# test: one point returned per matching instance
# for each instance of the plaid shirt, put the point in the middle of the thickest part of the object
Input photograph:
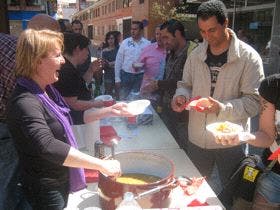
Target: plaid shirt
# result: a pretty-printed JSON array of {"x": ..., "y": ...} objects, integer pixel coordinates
[{"x": 7, "y": 65}]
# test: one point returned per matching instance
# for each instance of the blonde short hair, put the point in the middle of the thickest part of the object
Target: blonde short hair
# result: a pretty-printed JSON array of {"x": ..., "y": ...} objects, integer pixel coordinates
[{"x": 32, "y": 46}]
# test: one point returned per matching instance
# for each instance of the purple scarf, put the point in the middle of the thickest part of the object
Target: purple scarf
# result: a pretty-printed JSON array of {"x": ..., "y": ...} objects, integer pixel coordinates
[{"x": 61, "y": 111}]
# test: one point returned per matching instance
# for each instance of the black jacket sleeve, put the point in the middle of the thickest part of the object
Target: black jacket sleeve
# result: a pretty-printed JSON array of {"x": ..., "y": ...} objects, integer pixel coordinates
[
  {"x": 167, "y": 84},
  {"x": 36, "y": 131}
]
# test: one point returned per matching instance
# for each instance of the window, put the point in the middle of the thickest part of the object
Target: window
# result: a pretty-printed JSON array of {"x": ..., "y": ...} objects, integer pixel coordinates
[
  {"x": 33, "y": 2},
  {"x": 141, "y": 1},
  {"x": 119, "y": 4},
  {"x": 103, "y": 30},
  {"x": 109, "y": 8},
  {"x": 91, "y": 14},
  {"x": 125, "y": 3},
  {"x": 13, "y": 2},
  {"x": 113, "y": 6},
  {"x": 90, "y": 32}
]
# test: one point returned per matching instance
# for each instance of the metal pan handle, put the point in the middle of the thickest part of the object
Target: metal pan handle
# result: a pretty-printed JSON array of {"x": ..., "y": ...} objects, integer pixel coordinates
[{"x": 156, "y": 189}]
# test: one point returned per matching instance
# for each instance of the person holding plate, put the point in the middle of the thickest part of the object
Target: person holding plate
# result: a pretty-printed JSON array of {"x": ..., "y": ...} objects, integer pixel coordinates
[
  {"x": 268, "y": 136},
  {"x": 39, "y": 121},
  {"x": 153, "y": 56},
  {"x": 128, "y": 71},
  {"x": 226, "y": 73},
  {"x": 73, "y": 87}
]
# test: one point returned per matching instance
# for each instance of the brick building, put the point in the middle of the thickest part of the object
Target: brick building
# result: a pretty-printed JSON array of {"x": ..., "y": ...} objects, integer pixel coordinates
[
  {"x": 107, "y": 15},
  {"x": 259, "y": 18}
]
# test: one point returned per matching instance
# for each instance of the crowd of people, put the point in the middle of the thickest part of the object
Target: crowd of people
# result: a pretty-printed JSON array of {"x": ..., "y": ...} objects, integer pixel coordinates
[{"x": 46, "y": 82}]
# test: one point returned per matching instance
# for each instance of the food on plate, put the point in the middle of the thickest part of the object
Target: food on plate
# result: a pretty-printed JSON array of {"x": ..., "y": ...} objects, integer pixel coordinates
[
  {"x": 225, "y": 127},
  {"x": 137, "y": 178},
  {"x": 203, "y": 102},
  {"x": 200, "y": 104}
]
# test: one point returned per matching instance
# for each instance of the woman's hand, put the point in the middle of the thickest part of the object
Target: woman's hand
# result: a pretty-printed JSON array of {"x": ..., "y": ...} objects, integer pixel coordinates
[
  {"x": 116, "y": 110},
  {"x": 121, "y": 110},
  {"x": 77, "y": 159},
  {"x": 111, "y": 168},
  {"x": 96, "y": 67},
  {"x": 97, "y": 103}
]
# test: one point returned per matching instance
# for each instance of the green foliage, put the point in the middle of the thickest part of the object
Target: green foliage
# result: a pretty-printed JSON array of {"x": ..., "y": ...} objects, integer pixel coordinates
[{"x": 168, "y": 11}]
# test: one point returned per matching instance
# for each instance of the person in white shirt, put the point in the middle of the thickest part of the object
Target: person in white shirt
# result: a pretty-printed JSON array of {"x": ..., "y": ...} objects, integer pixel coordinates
[{"x": 128, "y": 71}]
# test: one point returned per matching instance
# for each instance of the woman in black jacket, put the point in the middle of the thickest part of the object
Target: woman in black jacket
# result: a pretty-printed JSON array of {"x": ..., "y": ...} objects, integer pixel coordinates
[{"x": 40, "y": 124}]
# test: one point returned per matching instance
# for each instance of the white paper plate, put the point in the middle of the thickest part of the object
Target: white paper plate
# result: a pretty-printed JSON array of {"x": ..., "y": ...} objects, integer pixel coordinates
[
  {"x": 104, "y": 98},
  {"x": 93, "y": 59},
  {"x": 229, "y": 129},
  {"x": 138, "y": 64},
  {"x": 138, "y": 107}
]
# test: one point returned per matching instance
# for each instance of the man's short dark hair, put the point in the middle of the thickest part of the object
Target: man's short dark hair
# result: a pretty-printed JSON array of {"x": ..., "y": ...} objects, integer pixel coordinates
[
  {"x": 172, "y": 25},
  {"x": 62, "y": 23},
  {"x": 77, "y": 22},
  {"x": 212, "y": 8},
  {"x": 139, "y": 23},
  {"x": 74, "y": 40}
]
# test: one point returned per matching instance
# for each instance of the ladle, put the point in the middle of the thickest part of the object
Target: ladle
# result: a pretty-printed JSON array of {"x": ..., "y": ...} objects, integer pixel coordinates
[
  {"x": 157, "y": 189},
  {"x": 114, "y": 143}
]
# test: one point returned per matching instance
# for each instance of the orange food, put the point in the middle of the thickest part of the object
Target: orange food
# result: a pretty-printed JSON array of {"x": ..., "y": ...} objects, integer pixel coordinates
[
  {"x": 203, "y": 102},
  {"x": 225, "y": 128}
]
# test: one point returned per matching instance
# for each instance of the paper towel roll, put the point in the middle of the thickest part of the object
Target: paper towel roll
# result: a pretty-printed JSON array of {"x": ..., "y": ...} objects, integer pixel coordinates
[{"x": 87, "y": 134}]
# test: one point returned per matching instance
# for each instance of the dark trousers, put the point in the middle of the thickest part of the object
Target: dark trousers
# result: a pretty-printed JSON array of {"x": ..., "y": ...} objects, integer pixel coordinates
[
  {"x": 11, "y": 196},
  {"x": 130, "y": 83},
  {"x": 227, "y": 160},
  {"x": 43, "y": 198},
  {"x": 177, "y": 124}
]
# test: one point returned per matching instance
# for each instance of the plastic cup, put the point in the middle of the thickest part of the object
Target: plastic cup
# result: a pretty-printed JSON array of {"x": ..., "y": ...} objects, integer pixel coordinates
[{"x": 132, "y": 122}]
